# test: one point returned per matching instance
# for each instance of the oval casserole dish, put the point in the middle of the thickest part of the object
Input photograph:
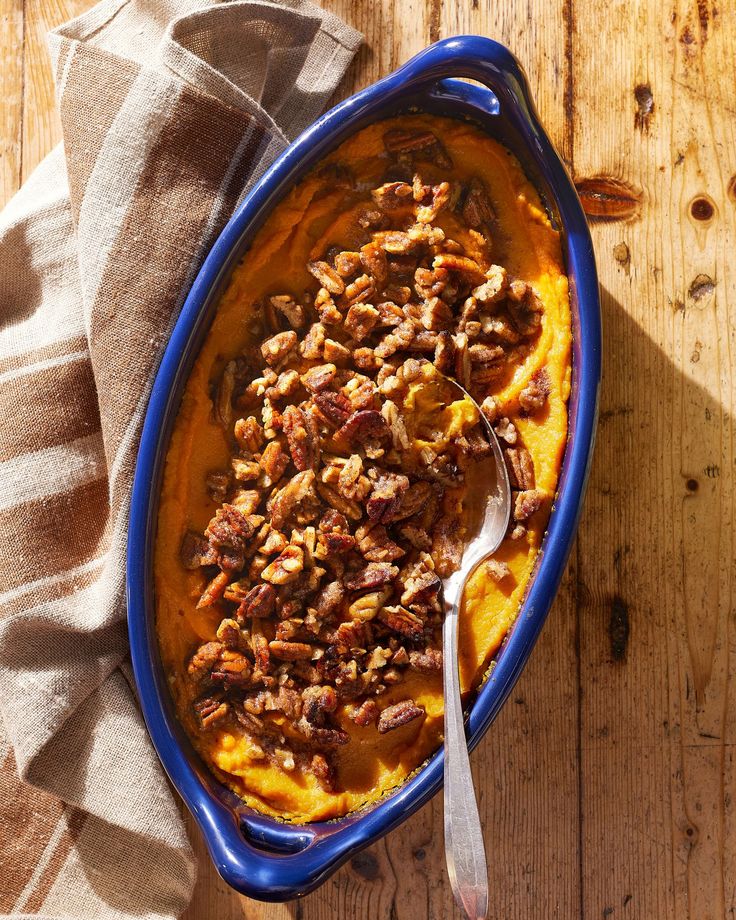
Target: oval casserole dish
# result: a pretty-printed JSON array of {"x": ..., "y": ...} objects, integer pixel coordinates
[{"x": 260, "y": 856}]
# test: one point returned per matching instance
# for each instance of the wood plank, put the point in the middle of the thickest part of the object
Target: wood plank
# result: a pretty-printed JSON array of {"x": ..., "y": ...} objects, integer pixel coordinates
[
  {"x": 11, "y": 92},
  {"x": 655, "y": 111}
]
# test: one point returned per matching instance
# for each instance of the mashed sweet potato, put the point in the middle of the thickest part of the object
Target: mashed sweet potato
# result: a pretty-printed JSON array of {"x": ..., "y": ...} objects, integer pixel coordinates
[{"x": 505, "y": 333}]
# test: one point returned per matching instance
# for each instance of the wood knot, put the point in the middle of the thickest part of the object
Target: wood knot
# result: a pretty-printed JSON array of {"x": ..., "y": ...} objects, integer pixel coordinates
[
  {"x": 621, "y": 254},
  {"x": 644, "y": 107},
  {"x": 692, "y": 485},
  {"x": 702, "y": 208},
  {"x": 731, "y": 190},
  {"x": 366, "y": 865},
  {"x": 605, "y": 198},
  {"x": 701, "y": 286},
  {"x": 618, "y": 628}
]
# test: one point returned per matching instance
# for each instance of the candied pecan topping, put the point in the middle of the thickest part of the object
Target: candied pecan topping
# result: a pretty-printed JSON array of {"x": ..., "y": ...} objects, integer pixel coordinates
[
  {"x": 290, "y": 651},
  {"x": 336, "y": 519},
  {"x": 526, "y": 503},
  {"x": 426, "y": 660},
  {"x": 520, "y": 467},
  {"x": 535, "y": 393},
  {"x": 302, "y": 438},
  {"x": 210, "y": 710},
  {"x": 399, "y": 714},
  {"x": 366, "y": 713},
  {"x": 327, "y": 277},
  {"x": 477, "y": 208},
  {"x": 278, "y": 346},
  {"x": 259, "y": 602},
  {"x": 497, "y": 570}
]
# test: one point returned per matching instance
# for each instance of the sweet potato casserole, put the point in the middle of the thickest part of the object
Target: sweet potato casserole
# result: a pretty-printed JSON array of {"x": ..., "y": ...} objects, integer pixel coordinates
[{"x": 313, "y": 496}]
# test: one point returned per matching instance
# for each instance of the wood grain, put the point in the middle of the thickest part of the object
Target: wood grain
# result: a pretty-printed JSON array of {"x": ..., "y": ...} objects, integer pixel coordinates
[{"x": 607, "y": 782}]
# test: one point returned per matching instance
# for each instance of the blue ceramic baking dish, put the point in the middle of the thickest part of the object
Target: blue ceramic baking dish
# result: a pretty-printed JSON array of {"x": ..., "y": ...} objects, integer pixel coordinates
[{"x": 256, "y": 855}]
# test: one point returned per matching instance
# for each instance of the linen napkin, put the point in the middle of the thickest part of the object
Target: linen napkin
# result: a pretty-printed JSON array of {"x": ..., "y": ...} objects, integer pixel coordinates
[{"x": 170, "y": 110}]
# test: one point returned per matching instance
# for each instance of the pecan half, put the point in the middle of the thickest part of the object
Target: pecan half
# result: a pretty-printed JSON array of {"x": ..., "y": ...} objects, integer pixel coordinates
[{"x": 399, "y": 714}]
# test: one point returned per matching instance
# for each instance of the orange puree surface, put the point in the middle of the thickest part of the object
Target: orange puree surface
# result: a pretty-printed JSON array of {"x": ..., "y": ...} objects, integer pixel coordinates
[{"x": 314, "y": 215}]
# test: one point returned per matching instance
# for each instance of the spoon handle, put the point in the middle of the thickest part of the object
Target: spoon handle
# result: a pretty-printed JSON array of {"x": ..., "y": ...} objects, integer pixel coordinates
[{"x": 464, "y": 849}]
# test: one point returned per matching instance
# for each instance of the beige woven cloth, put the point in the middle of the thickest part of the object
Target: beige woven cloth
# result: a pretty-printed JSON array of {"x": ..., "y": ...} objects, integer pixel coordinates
[{"x": 170, "y": 109}]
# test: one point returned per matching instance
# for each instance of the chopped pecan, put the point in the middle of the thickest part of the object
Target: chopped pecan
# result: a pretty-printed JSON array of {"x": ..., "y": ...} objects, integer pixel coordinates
[
  {"x": 312, "y": 348},
  {"x": 336, "y": 352},
  {"x": 210, "y": 710},
  {"x": 302, "y": 437},
  {"x": 526, "y": 503},
  {"x": 333, "y": 407},
  {"x": 285, "y": 567},
  {"x": 290, "y": 651},
  {"x": 275, "y": 349},
  {"x": 273, "y": 462},
  {"x": 224, "y": 396},
  {"x": 399, "y": 434},
  {"x": 325, "y": 306},
  {"x": 228, "y": 632},
  {"x": 402, "y": 621},
  {"x": 417, "y": 143},
  {"x": 362, "y": 425},
  {"x": 399, "y": 714},
  {"x": 447, "y": 545},
  {"x": 506, "y": 431},
  {"x": 287, "y": 500},
  {"x": 376, "y": 545},
  {"x": 360, "y": 320},
  {"x": 329, "y": 599},
  {"x": 393, "y": 195},
  {"x": 218, "y": 484},
  {"x": 365, "y": 714},
  {"x": 496, "y": 569},
  {"x": 259, "y": 602},
  {"x": 293, "y": 311},
  {"x": 319, "y": 378},
  {"x": 245, "y": 470},
  {"x": 416, "y": 536},
  {"x": 351, "y": 483},
  {"x": 228, "y": 533},
  {"x": 426, "y": 660},
  {"x": 441, "y": 193},
  {"x": 477, "y": 208},
  {"x": 385, "y": 499},
  {"x": 360, "y": 290},
  {"x": 444, "y": 353},
  {"x": 287, "y": 383},
  {"x": 318, "y": 702},
  {"x": 347, "y": 263},
  {"x": 232, "y": 669},
  {"x": 535, "y": 393},
  {"x": 204, "y": 659},
  {"x": 373, "y": 259},
  {"x": 421, "y": 585},
  {"x": 344, "y": 505},
  {"x": 366, "y": 360},
  {"x": 323, "y": 772},
  {"x": 249, "y": 434},
  {"x": 327, "y": 276},
  {"x": 323, "y": 736},
  {"x": 374, "y": 575},
  {"x": 520, "y": 468}
]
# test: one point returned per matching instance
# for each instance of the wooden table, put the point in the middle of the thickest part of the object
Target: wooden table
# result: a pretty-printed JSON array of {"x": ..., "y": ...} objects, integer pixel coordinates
[{"x": 607, "y": 784}]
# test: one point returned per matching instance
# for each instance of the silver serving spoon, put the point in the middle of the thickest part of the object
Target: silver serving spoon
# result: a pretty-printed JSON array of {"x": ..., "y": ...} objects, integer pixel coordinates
[{"x": 487, "y": 487}]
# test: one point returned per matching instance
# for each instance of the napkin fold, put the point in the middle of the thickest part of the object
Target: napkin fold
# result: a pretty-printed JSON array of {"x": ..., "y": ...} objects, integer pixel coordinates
[{"x": 170, "y": 110}]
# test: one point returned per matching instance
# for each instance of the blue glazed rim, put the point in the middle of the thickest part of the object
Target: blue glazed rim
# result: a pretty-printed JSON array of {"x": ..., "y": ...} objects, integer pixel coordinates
[{"x": 259, "y": 856}]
